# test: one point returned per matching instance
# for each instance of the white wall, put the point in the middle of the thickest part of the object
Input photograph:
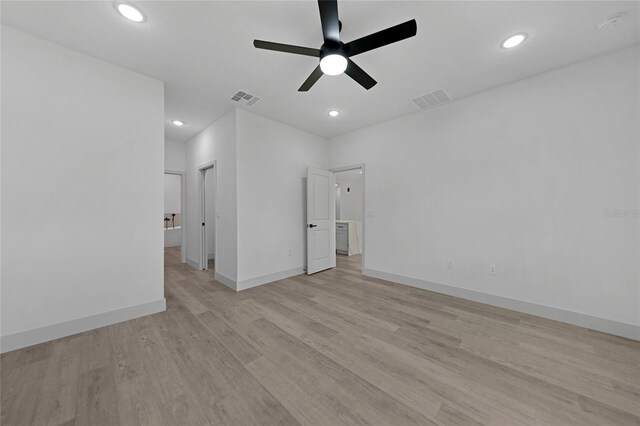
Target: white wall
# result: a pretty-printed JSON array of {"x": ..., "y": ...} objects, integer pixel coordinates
[
  {"x": 82, "y": 148},
  {"x": 272, "y": 166},
  {"x": 260, "y": 182},
  {"x": 350, "y": 194},
  {"x": 172, "y": 203},
  {"x": 217, "y": 142},
  {"x": 519, "y": 177},
  {"x": 175, "y": 156}
]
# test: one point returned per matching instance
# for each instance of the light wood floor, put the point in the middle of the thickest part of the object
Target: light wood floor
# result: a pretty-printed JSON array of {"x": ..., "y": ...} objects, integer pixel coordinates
[{"x": 328, "y": 349}]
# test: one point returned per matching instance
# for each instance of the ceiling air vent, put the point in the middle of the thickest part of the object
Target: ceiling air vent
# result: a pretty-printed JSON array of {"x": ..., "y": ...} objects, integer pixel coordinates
[
  {"x": 245, "y": 98},
  {"x": 432, "y": 99}
]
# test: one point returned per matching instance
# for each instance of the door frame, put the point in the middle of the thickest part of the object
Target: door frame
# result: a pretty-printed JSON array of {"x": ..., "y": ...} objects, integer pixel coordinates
[
  {"x": 183, "y": 212},
  {"x": 360, "y": 166},
  {"x": 203, "y": 258}
]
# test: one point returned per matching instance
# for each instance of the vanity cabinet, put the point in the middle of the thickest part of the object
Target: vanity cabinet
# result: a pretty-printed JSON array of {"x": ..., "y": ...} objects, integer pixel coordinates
[{"x": 348, "y": 237}]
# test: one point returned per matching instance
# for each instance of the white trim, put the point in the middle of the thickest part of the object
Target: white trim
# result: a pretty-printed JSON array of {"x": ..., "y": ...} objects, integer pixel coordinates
[
  {"x": 225, "y": 280},
  {"x": 269, "y": 278},
  {"x": 183, "y": 213},
  {"x": 34, "y": 336},
  {"x": 630, "y": 331},
  {"x": 360, "y": 166},
  {"x": 193, "y": 263}
]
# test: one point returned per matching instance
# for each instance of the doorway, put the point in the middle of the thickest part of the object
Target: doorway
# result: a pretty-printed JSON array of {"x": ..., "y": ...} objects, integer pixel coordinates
[
  {"x": 207, "y": 218},
  {"x": 349, "y": 193},
  {"x": 174, "y": 212}
]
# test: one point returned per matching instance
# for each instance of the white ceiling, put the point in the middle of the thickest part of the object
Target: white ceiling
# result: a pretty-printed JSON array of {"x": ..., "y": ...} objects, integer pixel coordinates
[{"x": 203, "y": 51}]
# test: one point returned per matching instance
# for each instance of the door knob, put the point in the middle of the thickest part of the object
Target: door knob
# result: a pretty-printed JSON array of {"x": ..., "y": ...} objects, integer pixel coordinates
[{"x": 311, "y": 225}]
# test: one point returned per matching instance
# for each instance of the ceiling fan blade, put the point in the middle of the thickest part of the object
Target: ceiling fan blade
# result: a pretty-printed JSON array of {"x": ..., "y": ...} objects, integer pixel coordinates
[
  {"x": 359, "y": 75},
  {"x": 329, "y": 20},
  {"x": 311, "y": 80},
  {"x": 287, "y": 48},
  {"x": 382, "y": 38}
]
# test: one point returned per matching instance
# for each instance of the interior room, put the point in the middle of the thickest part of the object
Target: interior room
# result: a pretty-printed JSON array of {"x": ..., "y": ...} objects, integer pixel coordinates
[
  {"x": 349, "y": 196},
  {"x": 172, "y": 210},
  {"x": 374, "y": 212}
]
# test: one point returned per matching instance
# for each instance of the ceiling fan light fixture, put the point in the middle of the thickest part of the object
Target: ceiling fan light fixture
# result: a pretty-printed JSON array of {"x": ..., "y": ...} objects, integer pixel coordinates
[{"x": 333, "y": 64}]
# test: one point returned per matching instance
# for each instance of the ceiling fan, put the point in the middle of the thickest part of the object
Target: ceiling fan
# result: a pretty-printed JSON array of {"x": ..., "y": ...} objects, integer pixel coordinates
[{"x": 335, "y": 56}]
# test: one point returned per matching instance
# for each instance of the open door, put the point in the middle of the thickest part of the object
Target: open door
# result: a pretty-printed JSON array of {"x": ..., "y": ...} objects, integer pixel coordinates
[
  {"x": 207, "y": 195},
  {"x": 321, "y": 221}
]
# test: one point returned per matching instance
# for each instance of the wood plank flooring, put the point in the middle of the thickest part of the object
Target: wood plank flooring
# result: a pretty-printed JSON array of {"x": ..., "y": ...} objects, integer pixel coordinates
[{"x": 329, "y": 349}]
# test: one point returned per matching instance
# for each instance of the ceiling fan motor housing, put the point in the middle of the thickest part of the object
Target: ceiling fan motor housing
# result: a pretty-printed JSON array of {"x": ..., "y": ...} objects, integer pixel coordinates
[{"x": 332, "y": 48}]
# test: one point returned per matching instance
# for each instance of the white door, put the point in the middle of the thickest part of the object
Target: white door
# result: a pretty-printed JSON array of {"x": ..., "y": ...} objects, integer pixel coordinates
[{"x": 321, "y": 221}]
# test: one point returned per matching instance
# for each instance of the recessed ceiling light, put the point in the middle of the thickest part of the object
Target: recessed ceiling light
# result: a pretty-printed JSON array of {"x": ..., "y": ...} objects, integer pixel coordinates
[
  {"x": 514, "y": 41},
  {"x": 177, "y": 123},
  {"x": 333, "y": 64},
  {"x": 334, "y": 113},
  {"x": 130, "y": 12}
]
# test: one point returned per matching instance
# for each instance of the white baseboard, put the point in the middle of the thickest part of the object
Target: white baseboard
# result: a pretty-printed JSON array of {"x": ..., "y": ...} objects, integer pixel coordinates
[
  {"x": 193, "y": 263},
  {"x": 629, "y": 331},
  {"x": 34, "y": 336},
  {"x": 226, "y": 281},
  {"x": 269, "y": 278},
  {"x": 211, "y": 256},
  {"x": 256, "y": 281}
]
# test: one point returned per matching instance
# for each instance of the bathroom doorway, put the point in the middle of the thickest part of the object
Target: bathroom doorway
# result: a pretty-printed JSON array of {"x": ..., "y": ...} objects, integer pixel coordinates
[{"x": 350, "y": 216}]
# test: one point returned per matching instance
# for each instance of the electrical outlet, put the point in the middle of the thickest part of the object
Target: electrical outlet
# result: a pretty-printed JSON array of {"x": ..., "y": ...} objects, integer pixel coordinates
[
  {"x": 493, "y": 270},
  {"x": 449, "y": 263}
]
